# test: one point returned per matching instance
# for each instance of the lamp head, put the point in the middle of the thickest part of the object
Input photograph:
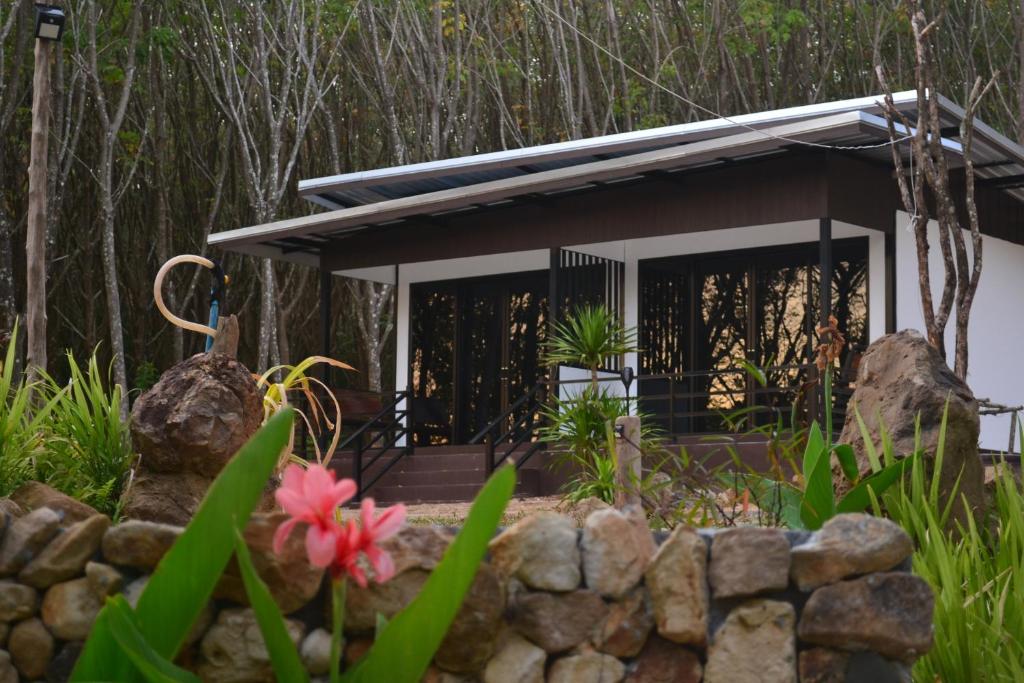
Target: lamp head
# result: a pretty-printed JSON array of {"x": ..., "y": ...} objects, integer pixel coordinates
[{"x": 49, "y": 22}]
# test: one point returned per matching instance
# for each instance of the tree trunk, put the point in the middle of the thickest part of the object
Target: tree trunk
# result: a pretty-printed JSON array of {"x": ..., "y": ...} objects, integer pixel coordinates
[
  {"x": 268, "y": 317},
  {"x": 35, "y": 242}
]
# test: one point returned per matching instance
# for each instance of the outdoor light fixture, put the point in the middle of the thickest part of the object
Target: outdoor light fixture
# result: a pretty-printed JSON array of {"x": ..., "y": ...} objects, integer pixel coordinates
[
  {"x": 627, "y": 378},
  {"x": 49, "y": 22}
]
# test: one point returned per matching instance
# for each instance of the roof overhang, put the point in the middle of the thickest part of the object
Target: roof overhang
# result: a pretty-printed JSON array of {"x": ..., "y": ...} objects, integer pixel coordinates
[{"x": 999, "y": 162}]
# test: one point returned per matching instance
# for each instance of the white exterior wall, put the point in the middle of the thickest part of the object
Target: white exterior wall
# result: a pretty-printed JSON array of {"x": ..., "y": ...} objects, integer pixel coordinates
[
  {"x": 996, "y": 327},
  {"x": 631, "y": 252}
]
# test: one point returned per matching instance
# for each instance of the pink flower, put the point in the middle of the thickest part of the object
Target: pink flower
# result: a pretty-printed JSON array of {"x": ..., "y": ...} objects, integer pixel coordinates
[
  {"x": 312, "y": 496},
  {"x": 353, "y": 540}
]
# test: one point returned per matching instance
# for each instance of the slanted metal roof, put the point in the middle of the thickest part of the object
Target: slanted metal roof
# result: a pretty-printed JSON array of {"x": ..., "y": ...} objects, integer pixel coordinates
[
  {"x": 493, "y": 180},
  {"x": 367, "y": 187}
]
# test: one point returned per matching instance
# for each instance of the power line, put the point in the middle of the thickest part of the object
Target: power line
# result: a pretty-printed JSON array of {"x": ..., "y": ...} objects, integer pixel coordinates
[{"x": 701, "y": 107}]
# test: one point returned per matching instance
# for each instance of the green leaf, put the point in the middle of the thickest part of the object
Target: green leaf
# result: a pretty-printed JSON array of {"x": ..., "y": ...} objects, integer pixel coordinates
[
  {"x": 859, "y": 497},
  {"x": 847, "y": 461},
  {"x": 408, "y": 643},
  {"x": 119, "y": 619},
  {"x": 818, "y": 503},
  {"x": 181, "y": 585},
  {"x": 284, "y": 658},
  {"x": 814, "y": 450},
  {"x": 869, "y": 444}
]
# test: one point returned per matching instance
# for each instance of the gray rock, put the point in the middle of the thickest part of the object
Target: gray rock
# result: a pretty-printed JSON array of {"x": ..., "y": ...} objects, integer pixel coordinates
[
  {"x": 823, "y": 665},
  {"x": 33, "y": 495},
  {"x": 66, "y": 555},
  {"x": 756, "y": 642},
  {"x": 471, "y": 638},
  {"x": 31, "y": 647},
  {"x": 233, "y": 650},
  {"x": 516, "y": 660},
  {"x": 362, "y": 605},
  {"x": 103, "y": 579},
  {"x": 627, "y": 627},
  {"x": 289, "y": 576},
  {"x": 556, "y": 621},
  {"x": 8, "y": 674},
  {"x": 901, "y": 377},
  {"x": 17, "y": 601},
  {"x": 70, "y": 608},
  {"x": 138, "y": 544},
  {"x": 677, "y": 581},
  {"x": 62, "y": 665},
  {"x": 616, "y": 550},
  {"x": 888, "y": 613},
  {"x": 747, "y": 561},
  {"x": 26, "y": 537},
  {"x": 316, "y": 652},
  {"x": 664, "y": 662},
  {"x": 848, "y": 545},
  {"x": 541, "y": 551},
  {"x": 196, "y": 416},
  {"x": 587, "y": 667}
]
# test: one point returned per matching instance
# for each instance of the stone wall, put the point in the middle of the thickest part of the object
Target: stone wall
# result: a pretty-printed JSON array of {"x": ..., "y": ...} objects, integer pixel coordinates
[{"x": 605, "y": 603}]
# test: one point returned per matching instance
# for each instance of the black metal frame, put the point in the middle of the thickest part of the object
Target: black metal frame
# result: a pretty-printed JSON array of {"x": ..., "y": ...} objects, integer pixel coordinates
[{"x": 390, "y": 419}]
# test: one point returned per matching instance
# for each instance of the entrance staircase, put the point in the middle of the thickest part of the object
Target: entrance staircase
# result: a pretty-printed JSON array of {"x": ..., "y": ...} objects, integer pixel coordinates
[{"x": 442, "y": 474}]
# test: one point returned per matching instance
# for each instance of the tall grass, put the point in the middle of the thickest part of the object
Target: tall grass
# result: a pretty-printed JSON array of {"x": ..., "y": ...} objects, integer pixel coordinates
[
  {"x": 68, "y": 436},
  {"x": 88, "y": 452},
  {"x": 977, "y": 574},
  {"x": 21, "y": 427}
]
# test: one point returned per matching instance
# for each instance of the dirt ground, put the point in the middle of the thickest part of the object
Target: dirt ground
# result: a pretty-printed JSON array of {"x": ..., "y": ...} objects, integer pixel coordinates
[{"x": 454, "y": 514}]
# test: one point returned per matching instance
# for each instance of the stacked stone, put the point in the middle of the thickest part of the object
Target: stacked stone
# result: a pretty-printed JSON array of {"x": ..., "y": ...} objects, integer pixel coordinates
[
  {"x": 60, "y": 560},
  {"x": 554, "y": 603},
  {"x": 608, "y": 604}
]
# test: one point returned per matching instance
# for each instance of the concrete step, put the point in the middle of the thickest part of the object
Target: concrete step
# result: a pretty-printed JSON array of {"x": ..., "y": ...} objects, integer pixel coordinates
[{"x": 445, "y": 489}]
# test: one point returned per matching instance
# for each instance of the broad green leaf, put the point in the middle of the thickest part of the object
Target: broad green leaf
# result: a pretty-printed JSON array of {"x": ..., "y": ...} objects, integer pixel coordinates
[
  {"x": 119, "y": 618},
  {"x": 781, "y": 497},
  {"x": 847, "y": 461},
  {"x": 814, "y": 450},
  {"x": 819, "y": 497},
  {"x": 408, "y": 643},
  {"x": 183, "y": 582},
  {"x": 284, "y": 657},
  {"x": 869, "y": 444},
  {"x": 859, "y": 497}
]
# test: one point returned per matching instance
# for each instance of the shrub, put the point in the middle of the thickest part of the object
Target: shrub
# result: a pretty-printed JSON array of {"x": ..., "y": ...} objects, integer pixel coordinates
[
  {"x": 976, "y": 572},
  {"x": 88, "y": 452}
]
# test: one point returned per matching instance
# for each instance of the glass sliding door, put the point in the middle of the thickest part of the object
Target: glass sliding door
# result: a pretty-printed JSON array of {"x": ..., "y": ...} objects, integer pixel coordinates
[
  {"x": 480, "y": 338},
  {"x": 703, "y": 314}
]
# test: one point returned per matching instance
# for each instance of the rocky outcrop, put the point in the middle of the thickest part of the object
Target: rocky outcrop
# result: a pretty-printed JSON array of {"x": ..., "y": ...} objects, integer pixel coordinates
[
  {"x": 900, "y": 378},
  {"x": 541, "y": 551},
  {"x": 189, "y": 425}
]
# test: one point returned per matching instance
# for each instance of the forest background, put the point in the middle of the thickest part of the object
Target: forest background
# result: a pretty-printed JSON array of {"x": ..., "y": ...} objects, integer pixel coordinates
[{"x": 174, "y": 118}]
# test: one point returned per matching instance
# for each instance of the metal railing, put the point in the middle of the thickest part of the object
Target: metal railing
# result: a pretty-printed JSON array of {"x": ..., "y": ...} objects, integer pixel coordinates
[
  {"x": 681, "y": 403},
  {"x": 384, "y": 431},
  {"x": 517, "y": 427}
]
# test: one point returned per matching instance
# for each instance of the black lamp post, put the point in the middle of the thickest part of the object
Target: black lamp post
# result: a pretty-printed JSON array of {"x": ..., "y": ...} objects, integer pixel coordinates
[{"x": 49, "y": 22}]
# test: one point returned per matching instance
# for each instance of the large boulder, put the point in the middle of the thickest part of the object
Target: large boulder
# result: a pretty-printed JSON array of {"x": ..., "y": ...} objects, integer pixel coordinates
[
  {"x": 185, "y": 429},
  {"x": 197, "y": 416},
  {"x": 901, "y": 376}
]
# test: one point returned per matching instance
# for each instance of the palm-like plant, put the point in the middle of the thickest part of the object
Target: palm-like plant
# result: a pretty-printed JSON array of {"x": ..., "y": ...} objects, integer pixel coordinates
[{"x": 590, "y": 336}]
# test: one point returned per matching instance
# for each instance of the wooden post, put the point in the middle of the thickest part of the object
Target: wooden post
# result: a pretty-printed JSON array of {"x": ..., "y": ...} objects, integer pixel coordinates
[
  {"x": 35, "y": 240},
  {"x": 627, "y": 461}
]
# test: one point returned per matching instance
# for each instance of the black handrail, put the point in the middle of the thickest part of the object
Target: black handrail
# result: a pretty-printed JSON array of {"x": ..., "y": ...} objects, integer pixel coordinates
[
  {"x": 514, "y": 435},
  {"x": 389, "y": 420}
]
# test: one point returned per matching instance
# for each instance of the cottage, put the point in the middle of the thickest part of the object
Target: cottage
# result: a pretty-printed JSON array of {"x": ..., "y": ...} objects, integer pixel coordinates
[{"x": 711, "y": 238}]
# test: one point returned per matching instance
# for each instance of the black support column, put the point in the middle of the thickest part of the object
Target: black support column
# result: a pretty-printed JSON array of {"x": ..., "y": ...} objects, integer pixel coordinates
[
  {"x": 825, "y": 265},
  {"x": 325, "y": 320},
  {"x": 890, "y": 278}
]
